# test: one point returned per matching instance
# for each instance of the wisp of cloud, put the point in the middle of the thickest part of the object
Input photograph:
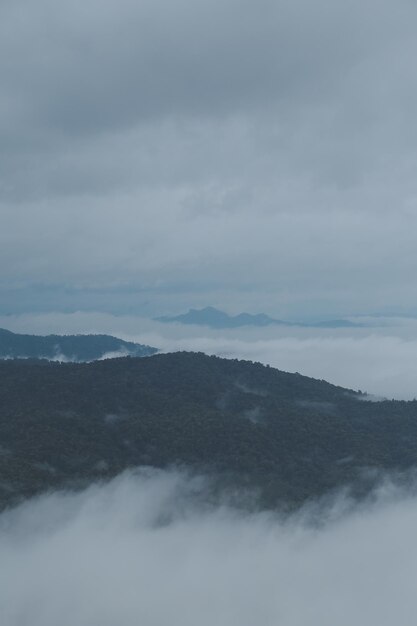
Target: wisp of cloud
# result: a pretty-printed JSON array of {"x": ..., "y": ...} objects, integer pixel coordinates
[{"x": 141, "y": 550}]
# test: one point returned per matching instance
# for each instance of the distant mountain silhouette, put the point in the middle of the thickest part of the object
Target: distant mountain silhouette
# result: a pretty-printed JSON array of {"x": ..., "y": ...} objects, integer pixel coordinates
[
  {"x": 214, "y": 318},
  {"x": 209, "y": 316},
  {"x": 67, "y": 347}
]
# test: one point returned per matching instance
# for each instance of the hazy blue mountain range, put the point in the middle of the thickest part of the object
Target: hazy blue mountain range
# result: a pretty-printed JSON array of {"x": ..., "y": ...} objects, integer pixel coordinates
[
  {"x": 214, "y": 318},
  {"x": 287, "y": 436},
  {"x": 67, "y": 347}
]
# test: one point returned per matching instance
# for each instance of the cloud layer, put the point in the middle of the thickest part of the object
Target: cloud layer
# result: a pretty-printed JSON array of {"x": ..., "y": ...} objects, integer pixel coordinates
[
  {"x": 139, "y": 550},
  {"x": 380, "y": 359},
  {"x": 210, "y": 152}
]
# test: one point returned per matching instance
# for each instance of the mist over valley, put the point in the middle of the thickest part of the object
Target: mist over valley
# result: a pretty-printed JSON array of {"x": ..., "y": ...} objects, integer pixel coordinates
[
  {"x": 143, "y": 548},
  {"x": 208, "y": 313}
]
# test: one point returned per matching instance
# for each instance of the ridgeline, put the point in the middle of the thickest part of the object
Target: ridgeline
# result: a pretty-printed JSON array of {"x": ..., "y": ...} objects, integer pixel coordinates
[
  {"x": 286, "y": 436},
  {"x": 67, "y": 347}
]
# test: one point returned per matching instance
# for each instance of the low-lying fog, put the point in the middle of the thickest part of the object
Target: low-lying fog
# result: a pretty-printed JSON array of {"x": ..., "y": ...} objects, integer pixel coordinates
[
  {"x": 143, "y": 550},
  {"x": 380, "y": 358}
]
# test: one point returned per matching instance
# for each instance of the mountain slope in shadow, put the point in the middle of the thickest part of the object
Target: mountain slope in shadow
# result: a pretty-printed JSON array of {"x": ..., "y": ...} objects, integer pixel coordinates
[
  {"x": 288, "y": 437},
  {"x": 67, "y": 347}
]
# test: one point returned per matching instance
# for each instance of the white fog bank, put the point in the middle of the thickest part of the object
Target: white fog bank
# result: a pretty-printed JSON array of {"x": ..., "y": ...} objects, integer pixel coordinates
[
  {"x": 136, "y": 551},
  {"x": 380, "y": 358}
]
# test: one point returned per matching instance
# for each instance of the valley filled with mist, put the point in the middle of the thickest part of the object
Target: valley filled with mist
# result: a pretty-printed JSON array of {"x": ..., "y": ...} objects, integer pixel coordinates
[
  {"x": 190, "y": 488},
  {"x": 182, "y": 487},
  {"x": 208, "y": 313},
  {"x": 146, "y": 548}
]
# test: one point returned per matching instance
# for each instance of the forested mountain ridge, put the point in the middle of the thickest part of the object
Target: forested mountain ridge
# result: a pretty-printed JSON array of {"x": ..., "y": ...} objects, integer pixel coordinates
[
  {"x": 67, "y": 347},
  {"x": 289, "y": 436}
]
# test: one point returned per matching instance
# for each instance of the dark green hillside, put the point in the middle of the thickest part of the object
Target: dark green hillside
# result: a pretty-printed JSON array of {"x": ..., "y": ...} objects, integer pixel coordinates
[
  {"x": 289, "y": 436},
  {"x": 68, "y": 347}
]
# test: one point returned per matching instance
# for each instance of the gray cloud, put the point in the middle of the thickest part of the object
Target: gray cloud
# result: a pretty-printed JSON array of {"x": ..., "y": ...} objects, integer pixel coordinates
[
  {"x": 223, "y": 147},
  {"x": 139, "y": 550},
  {"x": 80, "y": 68}
]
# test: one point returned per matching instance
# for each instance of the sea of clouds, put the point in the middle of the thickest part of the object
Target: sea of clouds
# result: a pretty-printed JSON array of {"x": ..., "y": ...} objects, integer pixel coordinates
[
  {"x": 148, "y": 549},
  {"x": 379, "y": 358},
  {"x": 143, "y": 549}
]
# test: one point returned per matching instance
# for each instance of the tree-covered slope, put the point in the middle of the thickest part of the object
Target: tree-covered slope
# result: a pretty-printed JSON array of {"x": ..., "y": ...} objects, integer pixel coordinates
[
  {"x": 289, "y": 436},
  {"x": 67, "y": 347}
]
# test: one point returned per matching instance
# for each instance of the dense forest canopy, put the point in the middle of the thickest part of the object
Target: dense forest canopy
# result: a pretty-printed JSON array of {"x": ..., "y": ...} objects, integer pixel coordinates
[
  {"x": 288, "y": 436},
  {"x": 67, "y": 347}
]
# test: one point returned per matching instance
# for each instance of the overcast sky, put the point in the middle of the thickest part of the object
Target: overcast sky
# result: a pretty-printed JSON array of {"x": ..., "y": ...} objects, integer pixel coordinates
[{"x": 157, "y": 155}]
